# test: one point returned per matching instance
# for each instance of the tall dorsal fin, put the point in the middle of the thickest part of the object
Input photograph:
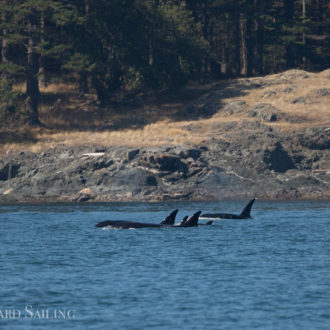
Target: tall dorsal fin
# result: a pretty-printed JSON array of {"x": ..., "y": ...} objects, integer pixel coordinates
[
  {"x": 246, "y": 213},
  {"x": 170, "y": 219},
  {"x": 192, "y": 221}
]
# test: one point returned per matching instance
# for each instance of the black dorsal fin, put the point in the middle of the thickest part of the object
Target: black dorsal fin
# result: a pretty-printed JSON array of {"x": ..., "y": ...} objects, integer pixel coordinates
[
  {"x": 193, "y": 220},
  {"x": 246, "y": 213},
  {"x": 170, "y": 219},
  {"x": 183, "y": 220}
]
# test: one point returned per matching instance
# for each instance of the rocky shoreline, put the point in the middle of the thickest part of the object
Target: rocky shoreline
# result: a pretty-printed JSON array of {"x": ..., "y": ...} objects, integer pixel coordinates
[{"x": 258, "y": 164}]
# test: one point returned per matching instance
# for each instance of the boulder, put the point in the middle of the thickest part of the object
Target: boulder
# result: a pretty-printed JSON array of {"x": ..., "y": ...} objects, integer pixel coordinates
[
  {"x": 83, "y": 195},
  {"x": 171, "y": 163},
  {"x": 277, "y": 158},
  {"x": 288, "y": 90},
  {"x": 299, "y": 100},
  {"x": 190, "y": 153},
  {"x": 131, "y": 154}
]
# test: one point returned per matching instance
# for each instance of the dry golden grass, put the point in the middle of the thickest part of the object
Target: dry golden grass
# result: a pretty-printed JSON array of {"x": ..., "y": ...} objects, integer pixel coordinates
[
  {"x": 161, "y": 133},
  {"x": 160, "y": 126},
  {"x": 317, "y": 108}
]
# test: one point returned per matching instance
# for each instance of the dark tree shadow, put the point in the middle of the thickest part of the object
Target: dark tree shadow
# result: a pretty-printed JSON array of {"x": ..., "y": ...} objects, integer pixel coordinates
[
  {"x": 134, "y": 112},
  {"x": 193, "y": 102},
  {"x": 10, "y": 136}
]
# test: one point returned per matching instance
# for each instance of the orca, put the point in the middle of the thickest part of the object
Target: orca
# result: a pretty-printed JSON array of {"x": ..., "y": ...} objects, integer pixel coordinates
[
  {"x": 128, "y": 224},
  {"x": 168, "y": 222},
  {"x": 183, "y": 221},
  {"x": 193, "y": 221},
  {"x": 122, "y": 224},
  {"x": 245, "y": 214},
  {"x": 209, "y": 223}
]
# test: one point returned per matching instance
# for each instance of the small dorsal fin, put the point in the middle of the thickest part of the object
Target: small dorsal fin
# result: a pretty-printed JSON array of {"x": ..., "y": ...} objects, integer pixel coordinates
[{"x": 183, "y": 220}]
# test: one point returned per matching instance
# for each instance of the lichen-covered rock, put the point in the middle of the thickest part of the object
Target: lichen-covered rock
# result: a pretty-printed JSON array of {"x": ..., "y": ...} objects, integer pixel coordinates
[
  {"x": 316, "y": 138},
  {"x": 323, "y": 92},
  {"x": 268, "y": 94},
  {"x": 265, "y": 112},
  {"x": 234, "y": 107}
]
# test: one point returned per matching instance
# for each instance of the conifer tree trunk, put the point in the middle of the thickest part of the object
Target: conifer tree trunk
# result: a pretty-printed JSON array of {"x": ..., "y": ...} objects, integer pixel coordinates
[
  {"x": 83, "y": 74},
  {"x": 42, "y": 76},
  {"x": 32, "y": 86},
  {"x": 319, "y": 16},
  {"x": 225, "y": 62},
  {"x": 99, "y": 88},
  {"x": 83, "y": 82},
  {"x": 259, "y": 37},
  {"x": 86, "y": 6},
  {"x": 4, "y": 44},
  {"x": 273, "y": 56},
  {"x": 151, "y": 51},
  {"x": 205, "y": 29},
  {"x": 303, "y": 34},
  {"x": 215, "y": 69},
  {"x": 152, "y": 42},
  {"x": 249, "y": 47},
  {"x": 237, "y": 40},
  {"x": 244, "y": 66},
  {"x": 289, "y": 12}
]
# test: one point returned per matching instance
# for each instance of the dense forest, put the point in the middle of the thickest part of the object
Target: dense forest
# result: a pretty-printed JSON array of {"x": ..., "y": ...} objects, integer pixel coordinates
[{"x": 135, "y": 45}]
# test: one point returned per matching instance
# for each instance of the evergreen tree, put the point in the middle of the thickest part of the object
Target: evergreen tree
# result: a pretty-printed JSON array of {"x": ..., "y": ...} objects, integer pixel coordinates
[{"x": 125, "y": 45}]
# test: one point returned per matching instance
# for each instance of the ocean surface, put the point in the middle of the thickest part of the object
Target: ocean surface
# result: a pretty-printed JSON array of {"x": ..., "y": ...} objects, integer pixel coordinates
[{"x": 58, "y": 271}]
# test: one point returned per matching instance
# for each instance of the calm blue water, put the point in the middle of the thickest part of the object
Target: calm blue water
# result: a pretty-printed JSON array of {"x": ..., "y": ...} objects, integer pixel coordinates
[{"x": 269, "y": 273}]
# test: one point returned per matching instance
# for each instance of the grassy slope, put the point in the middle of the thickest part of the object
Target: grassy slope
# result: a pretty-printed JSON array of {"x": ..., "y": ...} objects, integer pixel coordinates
[{"x": 71, "y": 120}]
